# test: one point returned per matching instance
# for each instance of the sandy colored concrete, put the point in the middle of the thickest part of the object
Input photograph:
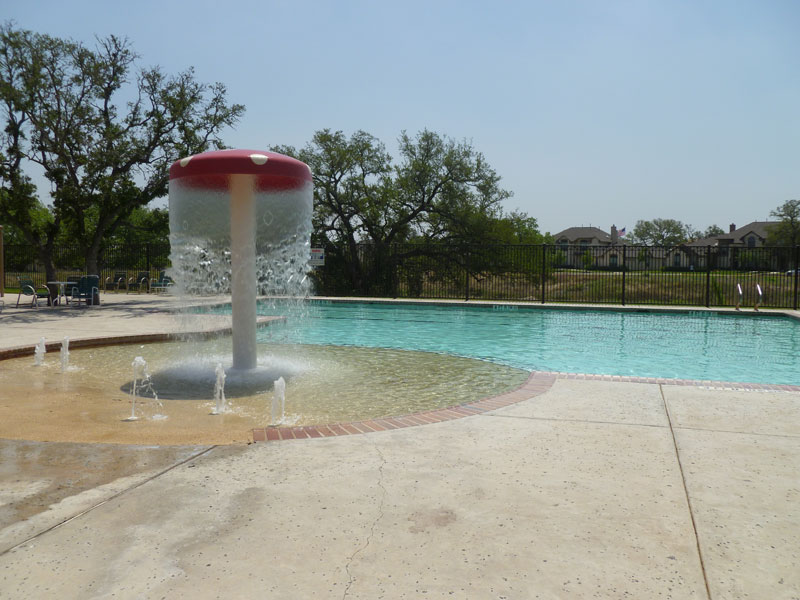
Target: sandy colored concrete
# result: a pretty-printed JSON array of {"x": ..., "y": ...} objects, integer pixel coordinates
[
  {"x": 633, "y": 404},
  {"x": 491, "y": 507},
  {"x": 118, "y": 314},
  {"x": 741, "y": 458},
  {"x": 590, "y": 490},
  {"x": 46, "y": 484}
]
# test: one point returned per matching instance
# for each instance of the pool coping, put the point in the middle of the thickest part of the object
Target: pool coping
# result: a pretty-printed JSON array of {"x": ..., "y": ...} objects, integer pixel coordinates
[
  {"x": 135, "y": 338},
  {"x": 537, "y": 305}
]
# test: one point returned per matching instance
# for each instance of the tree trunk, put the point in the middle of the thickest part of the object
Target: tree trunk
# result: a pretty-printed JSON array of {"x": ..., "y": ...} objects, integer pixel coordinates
[
  {"x": 46, "y": 257},
  {"x": 91, "y": 257},
  {"x": 354, "y": 266}
]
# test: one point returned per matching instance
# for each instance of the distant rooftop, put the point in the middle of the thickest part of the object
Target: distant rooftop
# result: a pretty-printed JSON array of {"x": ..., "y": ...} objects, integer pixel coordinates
[{"x": 738, "y": 236}]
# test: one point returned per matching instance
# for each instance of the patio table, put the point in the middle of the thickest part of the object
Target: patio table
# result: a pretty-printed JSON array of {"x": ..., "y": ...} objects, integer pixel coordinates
[{"x": 62, "y": 292}]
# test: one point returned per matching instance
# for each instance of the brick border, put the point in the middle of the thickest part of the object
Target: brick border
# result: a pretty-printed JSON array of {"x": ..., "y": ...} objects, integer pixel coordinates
[{"x": 538, "y": 383}]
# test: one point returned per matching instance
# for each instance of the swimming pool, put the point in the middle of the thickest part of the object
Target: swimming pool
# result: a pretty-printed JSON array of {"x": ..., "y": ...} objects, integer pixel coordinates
[{"x": 688, "y": 345}]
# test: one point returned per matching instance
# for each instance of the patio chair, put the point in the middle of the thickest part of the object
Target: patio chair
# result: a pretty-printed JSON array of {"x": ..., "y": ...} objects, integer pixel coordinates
[
  {"x": 140, "y": 282},
  {"x": 72, "y": 282},
  {"x": 117, "y": 282},
  {"x": 28, "y": 288},
  {"x": 87, "y": 289},
  {"x": 163, "y": 282}
]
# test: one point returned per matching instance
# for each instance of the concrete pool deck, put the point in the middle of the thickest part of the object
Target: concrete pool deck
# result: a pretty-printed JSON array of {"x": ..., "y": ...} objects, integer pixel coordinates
[{"x": 590, "y": 489}]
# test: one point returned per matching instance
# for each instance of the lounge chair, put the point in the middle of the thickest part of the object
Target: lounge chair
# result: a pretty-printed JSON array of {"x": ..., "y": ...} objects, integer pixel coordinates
[
  {"x": 28, "y": 288},
  {"x": 117, "y": 282},
  {"x": 87, "y": 289},
  {"x": 163, "y": 282},
  {"x": 140, "y": 282}
]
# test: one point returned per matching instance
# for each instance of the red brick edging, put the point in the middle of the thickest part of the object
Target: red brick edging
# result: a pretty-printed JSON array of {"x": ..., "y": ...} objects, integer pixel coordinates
[{"x": 538, "y": 382}]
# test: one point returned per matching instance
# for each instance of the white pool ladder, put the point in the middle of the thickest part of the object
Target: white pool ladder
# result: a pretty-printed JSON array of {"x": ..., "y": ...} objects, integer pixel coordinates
[{"x": 741, "y": 296}]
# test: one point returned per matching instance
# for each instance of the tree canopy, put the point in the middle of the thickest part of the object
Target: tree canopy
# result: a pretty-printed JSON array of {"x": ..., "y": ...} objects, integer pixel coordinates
[
  {"x": 439, "y": 190},
  {"x": 662, "y": 232},
  {"x": 102, "y": 129},
  {"x": 712, "y": 231},
  {"x": 787, "y": 231}
]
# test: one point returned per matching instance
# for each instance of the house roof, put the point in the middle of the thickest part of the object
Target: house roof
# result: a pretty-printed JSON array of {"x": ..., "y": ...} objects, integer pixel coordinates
[
  {"x": 737, "y": 236},
  {"x": 573, "y": 234},
  {"x": 760, "y": 228}
]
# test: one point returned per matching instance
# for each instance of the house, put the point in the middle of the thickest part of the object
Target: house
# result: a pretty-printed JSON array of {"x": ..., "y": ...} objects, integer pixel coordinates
[
  {"x": 752, "y": 235},
  {"x": 725, "y": 251},
  {"x": 584, "y": 246},
  {"x": 581, "y": 247}
]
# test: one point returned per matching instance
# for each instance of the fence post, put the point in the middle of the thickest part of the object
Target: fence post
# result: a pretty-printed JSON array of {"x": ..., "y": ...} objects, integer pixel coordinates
[
  {"x": 624, "y": 271},
  {"x": 466, "y": 276},
  {"x": 708, "y": 276},
  {"x": 796, "y": 265},
  {"x": 2, "y": 266},
  {"x": 395, "y": 269},
  {"x": 544, "y": 265}
]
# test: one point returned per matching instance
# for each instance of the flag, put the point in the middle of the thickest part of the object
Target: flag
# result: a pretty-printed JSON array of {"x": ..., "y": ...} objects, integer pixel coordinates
[{"x": 622, "y": 232}]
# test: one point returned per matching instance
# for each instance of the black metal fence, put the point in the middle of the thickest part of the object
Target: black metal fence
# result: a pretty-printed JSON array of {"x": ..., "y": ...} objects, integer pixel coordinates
[
  {"x": 22, "y": 261},
  {"x": 624, "y": 274}
]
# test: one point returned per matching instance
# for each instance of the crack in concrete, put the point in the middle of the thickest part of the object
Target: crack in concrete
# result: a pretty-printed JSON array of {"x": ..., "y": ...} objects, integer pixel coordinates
[
  {"x": 565, "y": 420},
  {"x": 107, "y": 500},
  {"x": 351, "y": 558}
]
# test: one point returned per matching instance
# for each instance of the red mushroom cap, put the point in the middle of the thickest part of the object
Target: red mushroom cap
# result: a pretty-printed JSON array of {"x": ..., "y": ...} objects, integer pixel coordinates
[{"x": 212, "y": 170}]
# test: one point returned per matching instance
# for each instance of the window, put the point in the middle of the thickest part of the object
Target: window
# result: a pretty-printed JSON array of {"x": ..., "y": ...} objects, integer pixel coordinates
[
  {"x": 612, "y": 260},
  {"x": 676, "y": 260},
  {"x": 751, "y": 241}
]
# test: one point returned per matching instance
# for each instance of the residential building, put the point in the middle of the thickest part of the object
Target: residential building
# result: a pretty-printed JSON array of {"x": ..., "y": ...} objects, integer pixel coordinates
[{"x": 603, "y": 249}]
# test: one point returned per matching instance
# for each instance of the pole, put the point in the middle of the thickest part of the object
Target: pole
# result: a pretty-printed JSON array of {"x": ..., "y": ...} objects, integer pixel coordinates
[
  {"x": 796, "y": 261},
  {"x": 466, "y": 276},
  {"x": 708, "y": 276},
  {"x": 624, "y": 271},
  {"x": 2, "y": 266},
  {"x": 243, "y": 271},
  {"x": 544, "y": 265}
]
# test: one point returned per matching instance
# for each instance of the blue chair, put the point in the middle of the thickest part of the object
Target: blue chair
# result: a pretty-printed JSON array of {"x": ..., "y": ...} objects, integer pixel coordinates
[
  {"x": 139, "y": 283},
  {"x": 88, "y": 289},
  {"x": 28, "y": 288},
  {"x": 117, "y": 282},
  {"x": 163, "y": 282}
]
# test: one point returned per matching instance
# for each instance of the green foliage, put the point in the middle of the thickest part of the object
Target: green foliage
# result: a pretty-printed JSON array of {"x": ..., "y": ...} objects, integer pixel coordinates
[
  {"x": 143, "y": 226},
  {"x": 787, "y": 231},
  {"x": 587, "y": 260},
  {"x": 712, "y": 231},
  {"x": 65, "y": 109},
  {"x": 661, "y": 232},
  {"x": 439, "y": 190}
]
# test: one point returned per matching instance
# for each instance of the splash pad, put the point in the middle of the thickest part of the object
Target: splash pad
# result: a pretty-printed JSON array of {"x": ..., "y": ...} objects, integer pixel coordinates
[
  {"x": 240, "y": 224},
  {"x": 334, "y": 384}
]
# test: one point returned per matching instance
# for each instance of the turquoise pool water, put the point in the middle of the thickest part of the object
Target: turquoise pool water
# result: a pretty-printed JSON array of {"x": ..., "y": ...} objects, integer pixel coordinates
[{"x": 697, "y": 345}]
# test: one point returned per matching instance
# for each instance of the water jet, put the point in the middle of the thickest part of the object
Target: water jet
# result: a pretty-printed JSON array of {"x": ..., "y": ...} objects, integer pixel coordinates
[{"x": 240, "y": 222}]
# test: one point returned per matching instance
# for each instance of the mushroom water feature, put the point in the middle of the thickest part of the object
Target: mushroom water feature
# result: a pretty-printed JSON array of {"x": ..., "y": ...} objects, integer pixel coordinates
[{"x": 240, "y": 222}]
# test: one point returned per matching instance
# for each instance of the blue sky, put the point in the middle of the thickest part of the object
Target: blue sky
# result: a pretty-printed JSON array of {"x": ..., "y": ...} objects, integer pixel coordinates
[{"x": 592, "y": 111}]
